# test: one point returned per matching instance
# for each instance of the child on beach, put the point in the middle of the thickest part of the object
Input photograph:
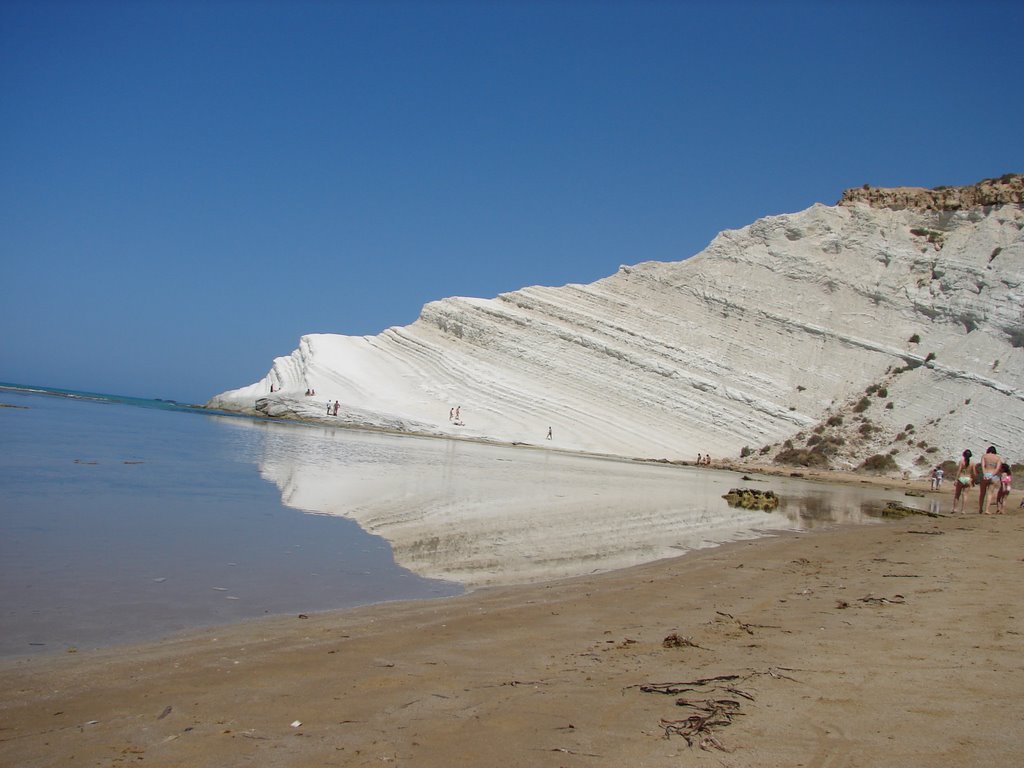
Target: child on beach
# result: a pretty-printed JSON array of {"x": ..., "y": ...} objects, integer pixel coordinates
[
  {"x": 964, "y": 479},
  {"x": 1005, "y": 480}
]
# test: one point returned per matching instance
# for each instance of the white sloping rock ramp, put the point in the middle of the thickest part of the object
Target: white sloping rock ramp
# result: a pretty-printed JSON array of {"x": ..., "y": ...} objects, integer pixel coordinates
[{"x": 752, "y": 341}]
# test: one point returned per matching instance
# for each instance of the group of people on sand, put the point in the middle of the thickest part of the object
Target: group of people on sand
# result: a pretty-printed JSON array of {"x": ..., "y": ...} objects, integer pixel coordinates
[
  {"x": 455, "y": 416},
  {"x": 703, "y": 458},
  {"x": 992, "y": 476},
  {"x": 310, "y": 393}
]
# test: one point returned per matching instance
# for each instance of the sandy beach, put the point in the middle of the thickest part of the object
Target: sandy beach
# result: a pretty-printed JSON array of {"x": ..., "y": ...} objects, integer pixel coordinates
[{"x": 895, "y": 644}]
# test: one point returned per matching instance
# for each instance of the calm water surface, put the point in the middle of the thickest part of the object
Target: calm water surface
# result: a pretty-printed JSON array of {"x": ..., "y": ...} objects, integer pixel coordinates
[{"x": 121, "y": 522}]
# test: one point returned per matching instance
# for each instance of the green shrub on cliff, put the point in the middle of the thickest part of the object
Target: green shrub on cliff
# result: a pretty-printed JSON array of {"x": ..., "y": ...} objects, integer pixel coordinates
[
  {"x": 801, "y": 457},
  {"x": 878, "y": 463}
]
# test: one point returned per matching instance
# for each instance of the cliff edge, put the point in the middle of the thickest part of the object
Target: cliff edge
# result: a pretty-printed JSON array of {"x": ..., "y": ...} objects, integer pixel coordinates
[{"x": 1006, "y": 190}]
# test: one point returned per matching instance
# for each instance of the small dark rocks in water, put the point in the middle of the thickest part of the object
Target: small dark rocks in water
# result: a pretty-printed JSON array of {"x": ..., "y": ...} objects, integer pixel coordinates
[{"x": 751, "y": 498}]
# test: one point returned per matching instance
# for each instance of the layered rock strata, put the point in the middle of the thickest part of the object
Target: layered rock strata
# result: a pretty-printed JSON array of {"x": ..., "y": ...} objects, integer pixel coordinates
[{"x": 880, "y": 326}]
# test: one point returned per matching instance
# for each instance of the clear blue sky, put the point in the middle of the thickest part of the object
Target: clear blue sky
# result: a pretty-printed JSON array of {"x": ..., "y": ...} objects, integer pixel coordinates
[{"x": 188, "y": 187}]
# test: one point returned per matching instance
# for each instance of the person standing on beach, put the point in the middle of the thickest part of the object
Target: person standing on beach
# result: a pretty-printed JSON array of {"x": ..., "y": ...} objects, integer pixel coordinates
[
  {"x": 937, "y": 477},
  {"x": 964, "y": 479},
  {"x": 549, "y": 433},
  {"x": 336, "y": 406},
  {"x": 988, "y": 470},
  {"x": 1005, "y": 479}
]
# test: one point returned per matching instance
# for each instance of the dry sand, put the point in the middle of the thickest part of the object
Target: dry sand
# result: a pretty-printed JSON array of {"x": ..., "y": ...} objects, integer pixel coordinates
[{"x": 890, "y": 645}]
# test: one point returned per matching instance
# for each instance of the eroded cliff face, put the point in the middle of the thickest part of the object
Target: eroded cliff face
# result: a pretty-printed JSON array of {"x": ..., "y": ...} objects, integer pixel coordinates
[
  {"x": 848, "y": 331},
  {"x": 1006, "y": 190}
]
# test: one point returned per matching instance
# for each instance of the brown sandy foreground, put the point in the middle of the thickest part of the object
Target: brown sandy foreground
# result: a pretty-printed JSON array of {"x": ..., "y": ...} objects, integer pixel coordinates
[{"x": 897, "y": 644}]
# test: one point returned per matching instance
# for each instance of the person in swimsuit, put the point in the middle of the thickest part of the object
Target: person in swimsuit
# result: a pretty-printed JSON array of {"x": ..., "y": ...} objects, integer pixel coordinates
[
  {"x": 964, "y": 479},
  {"x": 988, "y": 470},
  {"x": 1005, "y": 479}
]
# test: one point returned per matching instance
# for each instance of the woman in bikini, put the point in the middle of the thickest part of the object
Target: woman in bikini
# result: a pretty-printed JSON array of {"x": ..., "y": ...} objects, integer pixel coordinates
[
  {"x": 988, "y": 470},
  {"x": 964, "y": 479}
]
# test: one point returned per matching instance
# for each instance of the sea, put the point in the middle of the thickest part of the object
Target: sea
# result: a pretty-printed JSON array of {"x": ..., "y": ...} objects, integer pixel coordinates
[{"x": 125, "y": 519}]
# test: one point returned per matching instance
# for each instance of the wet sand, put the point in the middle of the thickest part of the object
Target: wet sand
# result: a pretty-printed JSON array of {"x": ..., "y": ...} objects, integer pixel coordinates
[{"x": 898, "y": 644}]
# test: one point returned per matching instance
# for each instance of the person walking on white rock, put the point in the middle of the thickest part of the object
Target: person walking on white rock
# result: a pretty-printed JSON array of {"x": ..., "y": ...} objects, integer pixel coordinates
[{"x": 549, "y": 434}]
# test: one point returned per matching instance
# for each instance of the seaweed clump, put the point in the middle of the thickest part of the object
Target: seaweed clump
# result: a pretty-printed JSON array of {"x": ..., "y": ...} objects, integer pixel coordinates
[
  {"x": 898, "y": 510},
  {"x": 750, "y": 498}
]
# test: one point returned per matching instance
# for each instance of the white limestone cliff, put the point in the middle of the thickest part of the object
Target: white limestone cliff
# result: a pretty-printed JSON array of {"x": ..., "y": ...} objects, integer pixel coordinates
[{"x": 763, "y": 337}]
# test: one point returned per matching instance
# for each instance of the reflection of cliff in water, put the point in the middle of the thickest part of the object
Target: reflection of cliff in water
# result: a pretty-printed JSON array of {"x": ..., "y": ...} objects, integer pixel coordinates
[
  {"x": 482, "y": 514},
  {"x": 809, "y": 505},
  {"x": 812, "y": 509}
]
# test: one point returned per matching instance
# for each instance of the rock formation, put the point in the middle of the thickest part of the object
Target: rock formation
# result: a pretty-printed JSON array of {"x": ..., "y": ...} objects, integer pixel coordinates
[
  {"x": 890, "y": 324},
  {"x": 1006, "y": 190}
]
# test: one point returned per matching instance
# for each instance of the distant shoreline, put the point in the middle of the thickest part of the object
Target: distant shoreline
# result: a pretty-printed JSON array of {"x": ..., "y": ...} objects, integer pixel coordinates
[
  {"x": 728, "y": 464},
  {"x": 734, "y": 465},
  {"x": 73, "y": 394}
]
